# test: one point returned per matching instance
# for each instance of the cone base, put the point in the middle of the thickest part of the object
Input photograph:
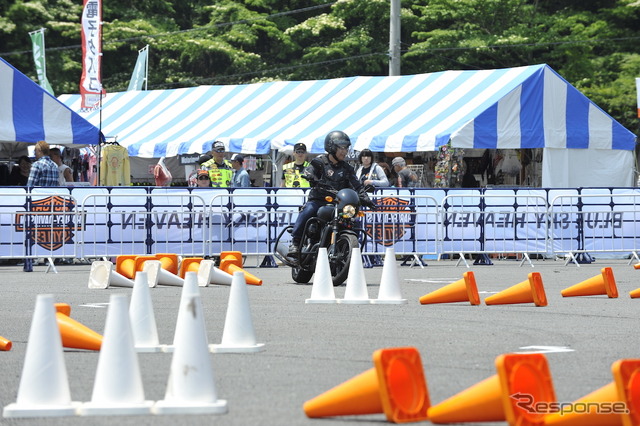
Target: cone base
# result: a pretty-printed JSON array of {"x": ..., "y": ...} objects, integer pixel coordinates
[
  {"x": 230, "y": 349},
  {"x": 321, "y": 301},
  {"x": 16, "y": 410},
  {"x": 149, "y": 349},
  {"x": 389, "y": 301},
  {"x": 355, "y": 301},
  {"x": 176, "y": 407},
  {"x": 114, "y": 409}
]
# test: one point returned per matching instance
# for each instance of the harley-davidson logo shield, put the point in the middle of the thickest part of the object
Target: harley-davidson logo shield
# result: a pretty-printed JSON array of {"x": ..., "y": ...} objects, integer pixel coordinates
[
  {"x": 389, "y": 222},
  {"x": 50, "y": 222}
]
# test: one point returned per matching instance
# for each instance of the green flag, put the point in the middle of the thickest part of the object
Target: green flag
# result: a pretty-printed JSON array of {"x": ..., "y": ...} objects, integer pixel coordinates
[
  {"x": 37, "y": 40},
  {"x": 139, "y": 75}
]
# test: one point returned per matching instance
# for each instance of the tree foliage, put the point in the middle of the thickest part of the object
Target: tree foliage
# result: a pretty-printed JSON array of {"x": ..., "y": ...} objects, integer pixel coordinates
[{"x": 592, "y": 44}]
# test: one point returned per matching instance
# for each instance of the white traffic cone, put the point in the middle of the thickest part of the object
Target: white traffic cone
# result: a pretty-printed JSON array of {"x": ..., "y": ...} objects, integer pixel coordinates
[
  {"x": 389, "y": 283},
  {"x": 238, "y": 335},
  {"x": 143, "y": 321},
  {"x": 322, "y": 288},
  {"x": 117, "y": 389},
  {"x": 44, "y": 386},
  {"x": 103, "y": 274},
  {"x": 159, "y": 276},
  {"x": 218, "y": 276},
  {"x": 356, "y": 291},
  {"x": 191, "y": 388},
  {"x": 190, "y": 287}
]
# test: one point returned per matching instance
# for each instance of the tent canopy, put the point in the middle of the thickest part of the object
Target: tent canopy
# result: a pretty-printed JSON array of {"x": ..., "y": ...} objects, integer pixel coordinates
[
  {"x": 524, "y": 107},
  {"x": 28, "y": 114}
]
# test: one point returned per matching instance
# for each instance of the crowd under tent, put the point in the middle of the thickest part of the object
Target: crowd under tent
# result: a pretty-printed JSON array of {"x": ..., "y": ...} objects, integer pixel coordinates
[{"x": 522, "y": 108}]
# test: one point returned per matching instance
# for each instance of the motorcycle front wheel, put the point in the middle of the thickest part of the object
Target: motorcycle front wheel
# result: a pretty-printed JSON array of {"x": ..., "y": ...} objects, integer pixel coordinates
[
  {"x": 301, "y": 276},
  {"x": 340, "y": 258}
]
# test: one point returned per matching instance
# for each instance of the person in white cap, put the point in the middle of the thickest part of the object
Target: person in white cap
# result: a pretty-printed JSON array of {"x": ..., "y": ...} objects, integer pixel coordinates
[
  {"x": 406, "y": 177},
  {"x": 240, "y": 177}
]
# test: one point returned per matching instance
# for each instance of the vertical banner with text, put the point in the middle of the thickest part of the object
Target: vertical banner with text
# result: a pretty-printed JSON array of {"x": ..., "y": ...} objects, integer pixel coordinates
[
  {"x": 37, "y": 42},
  {"x": 90, "y": 82}
]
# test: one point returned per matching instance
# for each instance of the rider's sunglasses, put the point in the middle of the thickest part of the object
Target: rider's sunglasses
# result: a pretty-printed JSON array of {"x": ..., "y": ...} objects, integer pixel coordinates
[
  {"x": 203, "y": 178},
  {"x": 300, "y": 152},
  {"x": 219, "y": 150}
]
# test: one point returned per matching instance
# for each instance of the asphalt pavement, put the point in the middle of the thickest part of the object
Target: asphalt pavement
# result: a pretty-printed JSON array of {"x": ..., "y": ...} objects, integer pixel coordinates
[{"x": 310, "y": 348}]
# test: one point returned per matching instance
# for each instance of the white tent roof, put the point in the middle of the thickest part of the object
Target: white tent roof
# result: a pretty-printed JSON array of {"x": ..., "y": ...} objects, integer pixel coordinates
[{"x": 524, "y": 107}]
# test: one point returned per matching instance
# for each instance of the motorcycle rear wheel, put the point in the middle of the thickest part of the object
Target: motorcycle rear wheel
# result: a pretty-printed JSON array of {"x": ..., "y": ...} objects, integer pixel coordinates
[{"x": 340, "y": 258}]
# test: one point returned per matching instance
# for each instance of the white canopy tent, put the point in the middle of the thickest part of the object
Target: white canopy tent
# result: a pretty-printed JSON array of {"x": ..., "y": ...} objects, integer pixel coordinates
[{"x": 513, "y": 108}]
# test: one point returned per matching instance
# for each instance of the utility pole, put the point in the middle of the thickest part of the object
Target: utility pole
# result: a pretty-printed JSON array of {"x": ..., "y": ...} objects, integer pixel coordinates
[{"x": 394, "y": 38}]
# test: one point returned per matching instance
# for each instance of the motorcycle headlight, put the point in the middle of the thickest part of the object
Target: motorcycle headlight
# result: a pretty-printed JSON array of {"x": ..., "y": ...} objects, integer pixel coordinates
[{"x": 348, "y": 211}]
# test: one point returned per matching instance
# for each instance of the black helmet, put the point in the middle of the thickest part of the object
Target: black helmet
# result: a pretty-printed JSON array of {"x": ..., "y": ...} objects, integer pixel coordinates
[{"x": 334, "y": 140}]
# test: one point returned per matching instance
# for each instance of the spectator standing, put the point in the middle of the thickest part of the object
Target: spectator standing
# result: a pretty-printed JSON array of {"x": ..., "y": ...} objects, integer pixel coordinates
[
  {"x": 370, "y": 173},
  {"x": 406, "y": 177},
  {"x": 292, "y": 172},
  {"x": 220, "y": 170},
  {"x": 44, "y": 172},
  {"x": 240, "y": 177},
  {"x": 64, "y": 172},
  {"x": 20, "y": 173}
]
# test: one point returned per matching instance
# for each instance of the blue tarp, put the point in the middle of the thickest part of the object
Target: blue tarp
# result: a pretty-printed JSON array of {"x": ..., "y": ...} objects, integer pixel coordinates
[
  {"x": 28, "y": 114},
  {"x": 524, "y": 107}
]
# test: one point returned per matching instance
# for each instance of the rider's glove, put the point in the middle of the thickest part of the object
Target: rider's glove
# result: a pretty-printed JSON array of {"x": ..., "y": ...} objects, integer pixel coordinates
[{"x": 366, "y": 202}]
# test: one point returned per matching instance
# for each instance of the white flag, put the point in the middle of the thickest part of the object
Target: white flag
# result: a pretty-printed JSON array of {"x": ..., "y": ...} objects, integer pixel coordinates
[{"x": 139, "y": 75}]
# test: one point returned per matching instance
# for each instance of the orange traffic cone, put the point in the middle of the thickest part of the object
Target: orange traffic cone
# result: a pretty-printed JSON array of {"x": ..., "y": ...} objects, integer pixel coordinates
[
  {"x": 615, "y": 404},
  {"x": 189, "y": 264},
  {"x": 636, "y": 266},
  {"x": 126, "y": 265},
  {"x": 635, "y": 293},
  {"x": 76, "y": 335},
  {"x": 396, "y": 386},
  {"x": 498, "y": 398},
  {"x": 63, "y": 308},
  {"x": 604, "y": 283},
  {"x": 140, "y": 260},
  {"x": 528, "y": 291},
  {"x": 207, "y": 272},
  {"x": 231, "y": 261},
  {"x": 463, "y": 290},
  {"x": 5, "y": 344},
  {"x": 169, "y": 261}
]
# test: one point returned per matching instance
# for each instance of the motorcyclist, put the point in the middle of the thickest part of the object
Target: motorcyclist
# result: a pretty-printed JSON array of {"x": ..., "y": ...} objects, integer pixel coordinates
[{"x": 327, "y": 174}]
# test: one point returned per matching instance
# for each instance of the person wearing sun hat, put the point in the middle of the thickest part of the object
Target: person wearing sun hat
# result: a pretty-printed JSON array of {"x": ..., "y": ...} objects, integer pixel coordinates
[
  {"x": 202, "y": 179},
  {"x": 240, "y": 177},
  {"x": 220, "y": 170},
  {"x": 292, "y": 172}
]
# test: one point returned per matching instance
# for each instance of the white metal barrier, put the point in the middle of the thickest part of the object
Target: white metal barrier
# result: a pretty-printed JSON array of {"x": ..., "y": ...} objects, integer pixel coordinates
[
  {"x": 595, "y": 223},
  {"x": 484, "y": 224}
]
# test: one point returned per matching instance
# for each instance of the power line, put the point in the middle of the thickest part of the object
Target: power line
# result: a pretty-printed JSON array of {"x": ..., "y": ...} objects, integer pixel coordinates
[{"x": 160, "y": 35}]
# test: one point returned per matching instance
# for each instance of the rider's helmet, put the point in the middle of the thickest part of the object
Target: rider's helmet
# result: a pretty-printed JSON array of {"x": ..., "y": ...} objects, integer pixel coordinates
[{"x": 334, "y": 140}]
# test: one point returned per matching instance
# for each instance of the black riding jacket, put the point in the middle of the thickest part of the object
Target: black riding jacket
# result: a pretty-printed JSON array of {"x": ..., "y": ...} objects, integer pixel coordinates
[{"x": 336, "y": 176}]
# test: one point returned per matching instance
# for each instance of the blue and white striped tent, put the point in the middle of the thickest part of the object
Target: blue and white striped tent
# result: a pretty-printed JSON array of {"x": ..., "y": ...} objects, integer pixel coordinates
[
  {"x": 28, "y": 113},
  {"x": 523, "y": 107}
]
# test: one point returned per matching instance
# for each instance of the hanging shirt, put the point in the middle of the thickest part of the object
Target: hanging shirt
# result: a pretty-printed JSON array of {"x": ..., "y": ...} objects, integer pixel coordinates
[{"x": 114, "y": 166}]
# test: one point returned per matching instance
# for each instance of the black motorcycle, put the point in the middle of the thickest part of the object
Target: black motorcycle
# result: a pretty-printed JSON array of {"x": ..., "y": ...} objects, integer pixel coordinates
[{"x": 335, "y": 228}]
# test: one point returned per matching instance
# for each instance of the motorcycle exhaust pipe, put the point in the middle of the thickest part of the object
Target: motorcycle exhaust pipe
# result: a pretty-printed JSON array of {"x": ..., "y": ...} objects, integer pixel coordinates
[{"x": 282, "y": 249}]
